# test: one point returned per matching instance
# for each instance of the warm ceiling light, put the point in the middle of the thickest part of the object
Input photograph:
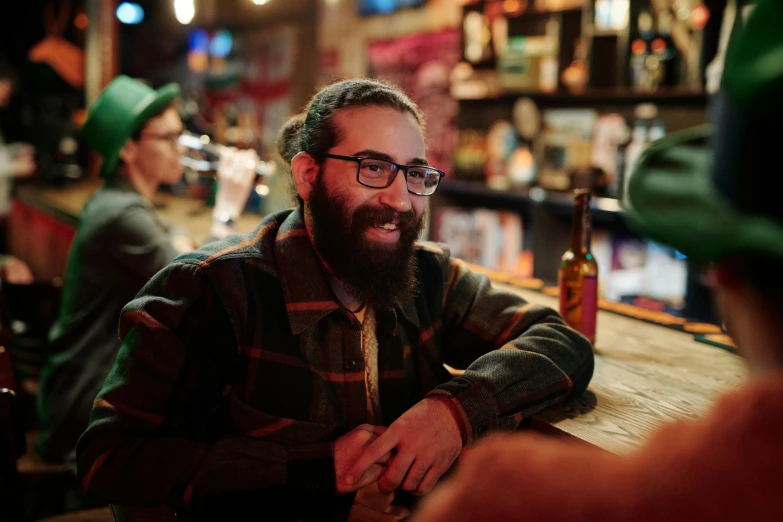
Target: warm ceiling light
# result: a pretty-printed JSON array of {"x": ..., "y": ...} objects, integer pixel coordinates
[
  {"x": 260, "y": 2},
  {"x": 184, "y": 10}
]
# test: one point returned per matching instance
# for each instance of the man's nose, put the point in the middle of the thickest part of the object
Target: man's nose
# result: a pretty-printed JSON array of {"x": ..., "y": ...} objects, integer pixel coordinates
[{"x": 396, "y": 195}]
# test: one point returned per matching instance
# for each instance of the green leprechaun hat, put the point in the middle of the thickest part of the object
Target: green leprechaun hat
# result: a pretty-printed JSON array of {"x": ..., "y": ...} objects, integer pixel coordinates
[{"x": 121, "y": 110}]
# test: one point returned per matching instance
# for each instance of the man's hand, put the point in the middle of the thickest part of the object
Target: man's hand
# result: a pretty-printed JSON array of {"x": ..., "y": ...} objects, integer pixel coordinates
[
  {"x": 236, "y": 174},
  {"x": 427, "y": 441},
  {"x": 350, "y": 447}
]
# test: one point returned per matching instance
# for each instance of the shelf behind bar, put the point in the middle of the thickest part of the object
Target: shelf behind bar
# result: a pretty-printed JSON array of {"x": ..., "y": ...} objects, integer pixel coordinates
[
  {"x": 525, "y": 196},
  {"x": 594, "y": 96}
]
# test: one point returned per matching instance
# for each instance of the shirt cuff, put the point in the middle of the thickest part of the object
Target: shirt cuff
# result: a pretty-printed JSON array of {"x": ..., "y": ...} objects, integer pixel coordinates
[{"x": 475, "y": 404}]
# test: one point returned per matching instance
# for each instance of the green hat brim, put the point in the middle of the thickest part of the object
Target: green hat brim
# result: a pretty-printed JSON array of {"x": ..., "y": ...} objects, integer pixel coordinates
[
  {"x": 143, "y": 111},
  {"x": 675, "y": 201}
]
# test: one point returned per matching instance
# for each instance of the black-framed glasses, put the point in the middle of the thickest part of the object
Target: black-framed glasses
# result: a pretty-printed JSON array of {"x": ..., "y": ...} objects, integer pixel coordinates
[
  {"x": 377, "y": 173},
  {"x": 171, "y": 137}
]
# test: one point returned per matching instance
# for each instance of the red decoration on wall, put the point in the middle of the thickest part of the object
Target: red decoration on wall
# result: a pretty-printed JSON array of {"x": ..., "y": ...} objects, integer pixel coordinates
[{"x": 421, "y": 65}]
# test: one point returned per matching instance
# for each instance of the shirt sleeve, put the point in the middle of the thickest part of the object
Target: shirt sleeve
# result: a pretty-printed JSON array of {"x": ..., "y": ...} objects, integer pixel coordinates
[
  {"x": 520, "y": 358},
  {"x": 157, "y": 432}
]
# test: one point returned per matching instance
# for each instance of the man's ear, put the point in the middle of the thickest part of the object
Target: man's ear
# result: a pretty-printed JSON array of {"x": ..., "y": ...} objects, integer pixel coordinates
[
  {"x": 304, "y": 170},
  {"x": 128, "y": 151}
]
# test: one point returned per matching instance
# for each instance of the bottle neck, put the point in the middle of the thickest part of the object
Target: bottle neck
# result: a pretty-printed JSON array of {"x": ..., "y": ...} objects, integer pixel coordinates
[{"x": 581, "y": 228}]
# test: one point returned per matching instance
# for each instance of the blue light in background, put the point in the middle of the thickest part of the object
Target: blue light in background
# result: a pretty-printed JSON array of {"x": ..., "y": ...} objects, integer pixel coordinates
[
  {"x": 680, "y": 255},
  {"x": 198, "y": 41},
  {"x": 221, "y": 44},
  {"x": 371, "y": 7},
  {"x": 130, "y": 13},
  {"x": 381, "y": 6}
]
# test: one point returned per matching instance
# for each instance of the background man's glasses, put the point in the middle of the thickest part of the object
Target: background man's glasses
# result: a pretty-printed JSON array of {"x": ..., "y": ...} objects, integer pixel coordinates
[
  {"x": 376, "y": 173},
  {"x": 171, "y": 137}
]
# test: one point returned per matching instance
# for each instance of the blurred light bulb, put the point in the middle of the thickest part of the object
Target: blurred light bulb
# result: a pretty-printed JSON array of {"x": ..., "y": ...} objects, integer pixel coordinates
[
  {"x": 130, "y": 13},
  {"x": 81, "y": 21},
  {"x": 184, "y": 10},
  {"x": 260, "y": 2}
]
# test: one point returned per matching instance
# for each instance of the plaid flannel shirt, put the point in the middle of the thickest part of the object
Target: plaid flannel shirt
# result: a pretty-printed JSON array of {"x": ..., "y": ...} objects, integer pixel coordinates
[{"x": 239, "y": 368}]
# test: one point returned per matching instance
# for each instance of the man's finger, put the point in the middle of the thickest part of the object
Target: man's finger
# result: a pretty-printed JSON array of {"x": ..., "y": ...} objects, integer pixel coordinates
[
  {"x": 372, "y": 475},
  {"x": 429, "y": 481},
  {"x": 372, "y": 454},
  {"x": 395, "y": 473},
  {"x": 385, "y": 458},
  {"x": 415, "y": 475},
  {"x": 377, "y": 430}
]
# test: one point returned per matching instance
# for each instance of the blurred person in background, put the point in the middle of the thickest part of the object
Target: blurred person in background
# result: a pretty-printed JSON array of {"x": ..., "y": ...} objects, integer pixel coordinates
[
  {"x": 708, "y": 194},
  {"x": 17, "y": 160},
  {"x": 119, "y": 245},
  {"x": 297, "y": 372}
]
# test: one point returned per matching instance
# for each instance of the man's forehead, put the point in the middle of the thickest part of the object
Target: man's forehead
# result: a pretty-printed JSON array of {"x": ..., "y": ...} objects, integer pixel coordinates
[
  {"x": 167, "y": 121},
  {"x": 384, "y": 129}
]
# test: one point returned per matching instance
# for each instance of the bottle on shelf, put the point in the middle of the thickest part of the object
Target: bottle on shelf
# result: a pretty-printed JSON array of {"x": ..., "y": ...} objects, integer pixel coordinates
[
  {"x": 578, "y": 274},
  {"x": 663, "y": 48},
  {"x": 643, "y": 63},
  {"x": 657, "y": 131},
  {"x": 639, "y": 142},
  {"x": 575, "y": 76}
]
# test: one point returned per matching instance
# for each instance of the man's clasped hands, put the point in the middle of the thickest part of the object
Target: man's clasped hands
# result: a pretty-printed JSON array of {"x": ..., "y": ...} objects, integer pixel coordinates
[{"x": 411, "y": 454}]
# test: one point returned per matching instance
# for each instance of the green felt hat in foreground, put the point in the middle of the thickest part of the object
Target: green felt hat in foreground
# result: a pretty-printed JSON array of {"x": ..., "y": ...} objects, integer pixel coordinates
[{"x": 708, "y": 191}]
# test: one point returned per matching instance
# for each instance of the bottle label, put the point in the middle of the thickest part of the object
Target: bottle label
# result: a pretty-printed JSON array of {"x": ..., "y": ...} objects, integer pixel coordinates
[
  {"x": 589, "y": 307},
  {"x": 579, "y": 304}
]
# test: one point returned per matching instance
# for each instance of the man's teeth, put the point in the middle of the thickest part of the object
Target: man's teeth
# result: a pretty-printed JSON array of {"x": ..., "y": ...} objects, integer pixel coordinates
[{"x": 389, "y": 226}]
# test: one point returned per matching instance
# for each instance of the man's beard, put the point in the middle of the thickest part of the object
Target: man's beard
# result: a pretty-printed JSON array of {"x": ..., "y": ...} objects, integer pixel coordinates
[{"x": 380, "y": 275}]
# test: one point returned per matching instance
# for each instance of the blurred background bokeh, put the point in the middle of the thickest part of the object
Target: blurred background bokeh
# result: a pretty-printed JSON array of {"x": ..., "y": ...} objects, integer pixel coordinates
[{"x": 525, "y": 100}]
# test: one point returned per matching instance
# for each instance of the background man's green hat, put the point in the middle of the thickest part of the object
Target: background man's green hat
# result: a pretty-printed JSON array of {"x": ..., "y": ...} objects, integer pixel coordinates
[
  {"x": 121, "y": 110},
  {"x": 708, "y": 191}
]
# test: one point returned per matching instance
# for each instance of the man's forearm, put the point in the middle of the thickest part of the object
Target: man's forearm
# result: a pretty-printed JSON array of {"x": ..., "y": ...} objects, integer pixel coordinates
[{"x": 177, "y": 470}]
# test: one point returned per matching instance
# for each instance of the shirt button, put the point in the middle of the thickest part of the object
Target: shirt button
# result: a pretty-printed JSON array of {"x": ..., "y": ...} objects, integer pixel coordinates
[{"x": 350, "y": 365}]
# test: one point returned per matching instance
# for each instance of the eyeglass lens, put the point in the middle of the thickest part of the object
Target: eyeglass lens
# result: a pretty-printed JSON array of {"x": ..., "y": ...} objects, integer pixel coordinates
[{"x": 378, "y": 173}]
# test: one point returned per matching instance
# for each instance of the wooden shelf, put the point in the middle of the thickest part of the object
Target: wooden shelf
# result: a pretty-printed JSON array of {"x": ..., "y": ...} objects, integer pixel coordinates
[
  {"x": 602, "y": 207},
  {"x": 541, "y": 12},
  {"x": 596, "y": 96}
]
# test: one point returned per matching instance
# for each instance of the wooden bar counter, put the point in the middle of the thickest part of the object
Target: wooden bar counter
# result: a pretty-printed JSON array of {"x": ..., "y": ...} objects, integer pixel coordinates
[
  {"x": 43, "y": 222},
  {"x": 645, "y": 374}
]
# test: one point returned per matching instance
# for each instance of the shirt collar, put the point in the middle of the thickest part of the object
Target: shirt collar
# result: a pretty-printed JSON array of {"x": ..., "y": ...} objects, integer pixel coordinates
[{"x": 308, "y": 296}]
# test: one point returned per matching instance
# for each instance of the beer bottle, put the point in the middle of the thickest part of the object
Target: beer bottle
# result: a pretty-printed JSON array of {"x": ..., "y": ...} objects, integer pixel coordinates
[{"x": 578, "y": 273}]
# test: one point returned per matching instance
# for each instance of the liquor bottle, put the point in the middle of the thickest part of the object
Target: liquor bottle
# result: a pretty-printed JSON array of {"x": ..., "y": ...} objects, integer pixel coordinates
[
  {"x": 643, "y": 64},
  {"x": 633, "y": 152},
  {"x": 664, "y": 49},
  {"x": 578, "y": 274},
  {"x": 657, "y": 131}
]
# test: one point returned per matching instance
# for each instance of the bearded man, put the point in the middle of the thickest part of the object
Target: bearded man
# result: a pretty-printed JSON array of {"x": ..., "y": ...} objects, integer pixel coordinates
[{"x": 298, "y": 372}]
